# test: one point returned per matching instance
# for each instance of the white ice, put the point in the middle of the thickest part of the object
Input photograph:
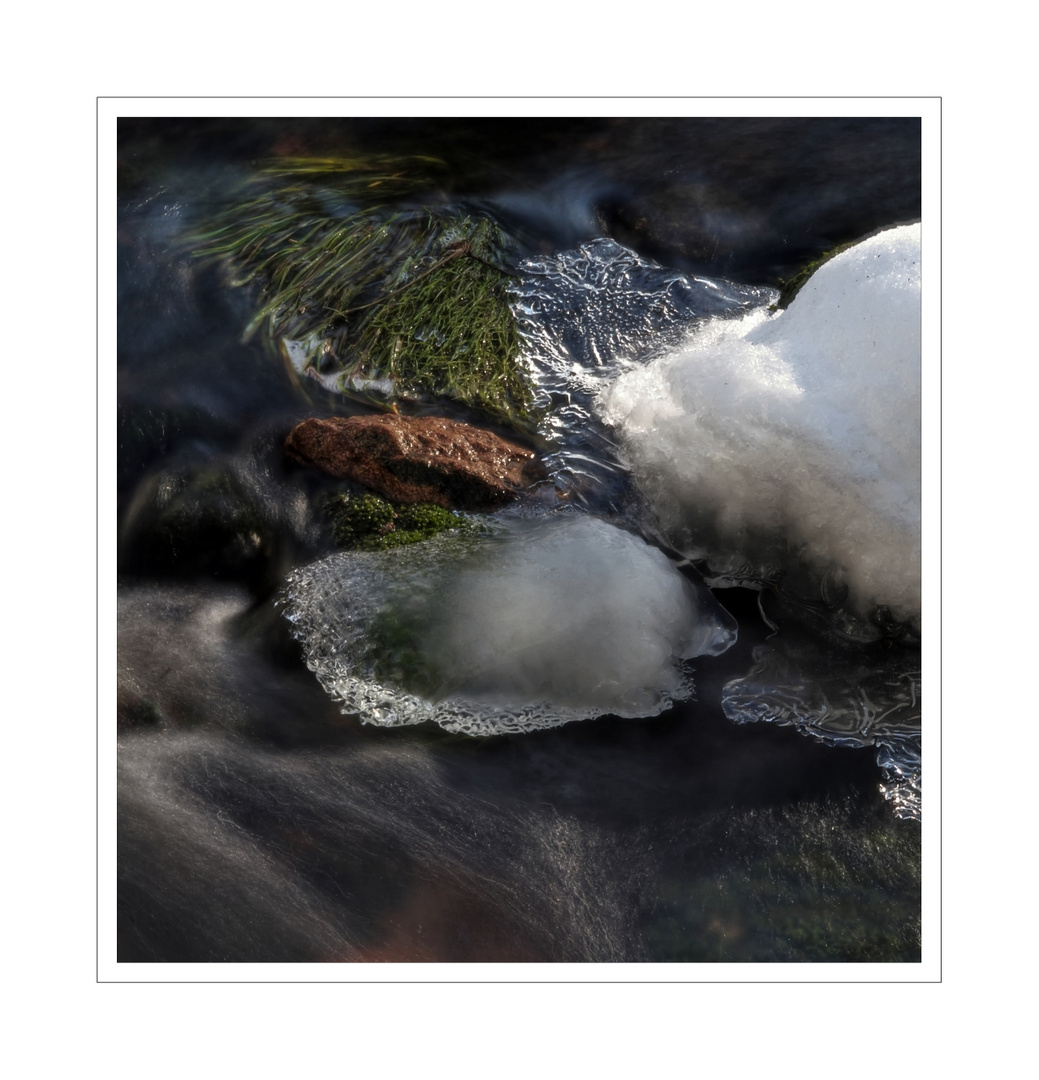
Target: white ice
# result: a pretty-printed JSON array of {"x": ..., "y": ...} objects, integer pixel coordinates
[
  {"x": 792, "y": 441},
  {"x": 551, "y": 620}
]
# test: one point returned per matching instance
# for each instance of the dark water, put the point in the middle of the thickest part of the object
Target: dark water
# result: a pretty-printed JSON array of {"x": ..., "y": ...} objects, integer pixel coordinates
[{"x": 256, "y": 823}]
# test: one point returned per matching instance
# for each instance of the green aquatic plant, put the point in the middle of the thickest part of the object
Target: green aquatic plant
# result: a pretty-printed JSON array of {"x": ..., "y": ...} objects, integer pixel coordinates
[
  {"x": 371, "y": 294},
  {"x": 370, "y": 523},
  {"x": 364, "y": 177}
]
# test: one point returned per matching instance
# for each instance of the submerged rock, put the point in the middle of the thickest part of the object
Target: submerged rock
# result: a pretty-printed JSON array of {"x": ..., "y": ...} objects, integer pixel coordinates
[{"x": 414, "y": 459}]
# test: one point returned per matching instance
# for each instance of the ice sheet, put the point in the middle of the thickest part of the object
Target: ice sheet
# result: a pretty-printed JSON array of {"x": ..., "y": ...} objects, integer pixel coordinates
[{"x": 544, "y": 621}]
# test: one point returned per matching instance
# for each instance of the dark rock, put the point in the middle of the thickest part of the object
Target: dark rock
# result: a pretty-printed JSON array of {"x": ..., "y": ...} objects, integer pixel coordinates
[
  {"x": 232, "y": 517},
  {"x": 412, "y": 459}
]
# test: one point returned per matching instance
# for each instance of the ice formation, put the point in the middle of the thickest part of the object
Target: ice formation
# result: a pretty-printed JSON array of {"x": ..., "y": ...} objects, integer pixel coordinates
[
  {"x": 843, "y": 698},
  {"x": 587, "y": 315},
  {"x": 789, "y": 444},
  {"x": 543, "y": 621}
]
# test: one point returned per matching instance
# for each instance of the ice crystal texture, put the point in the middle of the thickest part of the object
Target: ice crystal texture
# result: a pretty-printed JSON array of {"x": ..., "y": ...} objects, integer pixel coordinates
[
  {"x": 586, "y": 316},
  {"x": 842, "y": 698},
  {"x": 547, "y": 620}
]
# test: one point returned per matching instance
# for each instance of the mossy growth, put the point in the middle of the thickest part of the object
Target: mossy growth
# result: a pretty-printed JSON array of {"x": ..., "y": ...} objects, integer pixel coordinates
[
  {"x": 370, "y": 523},
  {"x": 790, "y": 287},
  {"x": 367, "y": 289}
]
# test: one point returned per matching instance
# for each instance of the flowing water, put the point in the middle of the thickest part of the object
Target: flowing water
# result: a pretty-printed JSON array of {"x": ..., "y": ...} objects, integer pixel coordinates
[{"x": 668, "y": 710}]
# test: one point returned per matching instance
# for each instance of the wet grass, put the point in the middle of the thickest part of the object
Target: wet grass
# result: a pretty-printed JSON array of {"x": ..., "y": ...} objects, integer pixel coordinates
[{"x": 368, "y": 288}]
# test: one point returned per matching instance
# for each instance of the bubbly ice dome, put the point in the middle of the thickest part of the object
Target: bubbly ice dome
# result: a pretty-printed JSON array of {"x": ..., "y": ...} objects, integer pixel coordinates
[
  {"x": 560, "y": 618},
  {"x": 792, "y": 442}
]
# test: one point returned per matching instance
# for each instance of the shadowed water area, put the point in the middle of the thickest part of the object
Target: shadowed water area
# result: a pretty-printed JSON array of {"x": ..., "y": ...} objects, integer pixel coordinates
[{"x": 758, "y": 797}]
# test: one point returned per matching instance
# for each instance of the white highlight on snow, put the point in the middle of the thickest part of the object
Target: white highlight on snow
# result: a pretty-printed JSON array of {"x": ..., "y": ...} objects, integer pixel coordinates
[{"x": 792, "y": 441}]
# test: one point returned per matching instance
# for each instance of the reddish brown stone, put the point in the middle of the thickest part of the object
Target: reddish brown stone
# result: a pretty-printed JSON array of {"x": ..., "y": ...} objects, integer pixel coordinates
[{"x": 410, "y": 459}]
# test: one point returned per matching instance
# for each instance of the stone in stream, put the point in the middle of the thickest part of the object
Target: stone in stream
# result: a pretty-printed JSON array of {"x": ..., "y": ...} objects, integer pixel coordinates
[{"x": 412, "y": 459}]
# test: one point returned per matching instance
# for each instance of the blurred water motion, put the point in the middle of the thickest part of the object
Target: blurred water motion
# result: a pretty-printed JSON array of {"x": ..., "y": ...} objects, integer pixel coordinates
[{"x": 257, "y": 822}]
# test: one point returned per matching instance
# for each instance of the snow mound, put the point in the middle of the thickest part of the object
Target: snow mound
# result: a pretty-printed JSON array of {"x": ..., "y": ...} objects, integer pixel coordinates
[{"x": 787, "y": 446}]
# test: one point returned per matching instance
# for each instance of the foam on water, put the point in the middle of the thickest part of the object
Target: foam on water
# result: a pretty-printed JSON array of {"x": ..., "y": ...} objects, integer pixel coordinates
[
  {"x": 544, "y": 621},
  {"x": 789, "y": 444}
]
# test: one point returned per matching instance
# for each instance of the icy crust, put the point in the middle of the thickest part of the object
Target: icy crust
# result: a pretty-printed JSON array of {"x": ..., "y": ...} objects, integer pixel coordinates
[
  {"x": 843, "y": 708},
  {"x": 789, "y": 444},
  {"x": 899, "y": 758},
  {"x": 842, "y": 702},
  {"x": 587, "y": 315},
  {"x": 545, "y": 621},
  {"x": 601, "y": 302}
]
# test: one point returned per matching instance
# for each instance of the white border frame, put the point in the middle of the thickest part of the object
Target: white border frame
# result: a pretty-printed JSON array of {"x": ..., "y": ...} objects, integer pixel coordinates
[{"x": 109, "y": 110}]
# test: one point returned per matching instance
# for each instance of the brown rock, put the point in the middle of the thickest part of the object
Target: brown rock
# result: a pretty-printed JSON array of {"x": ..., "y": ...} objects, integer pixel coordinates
[{"x": 412, "y": 459}]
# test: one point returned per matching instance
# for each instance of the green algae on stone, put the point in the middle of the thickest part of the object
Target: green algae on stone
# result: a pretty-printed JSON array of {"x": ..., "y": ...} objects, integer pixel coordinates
[
  {"x": 374, "y": 294},
  {"x": 369, "y": 523}
]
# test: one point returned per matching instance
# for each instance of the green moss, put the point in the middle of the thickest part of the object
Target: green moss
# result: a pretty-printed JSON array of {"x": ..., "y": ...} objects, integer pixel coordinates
[
  {"x": 369, "y": 523},
  {"x": 789, "y": 288},
  {"x": 369, "y": 289}
]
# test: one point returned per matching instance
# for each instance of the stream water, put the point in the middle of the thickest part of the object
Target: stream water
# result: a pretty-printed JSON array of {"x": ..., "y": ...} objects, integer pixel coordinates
[{"x": 656, "y": 734}]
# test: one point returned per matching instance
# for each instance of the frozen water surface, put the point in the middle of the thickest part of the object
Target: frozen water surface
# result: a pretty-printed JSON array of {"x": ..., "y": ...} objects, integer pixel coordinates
[
  {"x": 589, "y": 314},
  {"x": 543, "y": 621},
  {"x": 843, "y": 698}
]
